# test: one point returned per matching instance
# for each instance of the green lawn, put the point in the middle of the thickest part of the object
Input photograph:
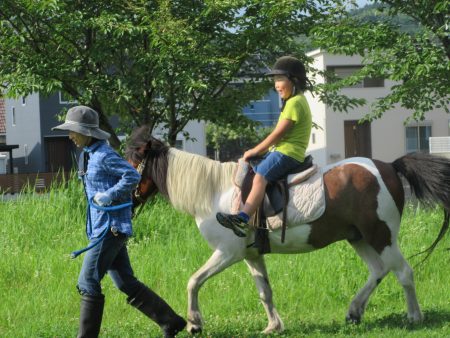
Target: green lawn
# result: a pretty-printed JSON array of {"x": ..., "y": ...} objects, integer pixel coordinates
[{"x": 311, "y": 291}]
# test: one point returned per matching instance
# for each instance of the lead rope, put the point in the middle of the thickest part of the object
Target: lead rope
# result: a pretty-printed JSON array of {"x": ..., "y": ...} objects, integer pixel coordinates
[{"x": 76, "y": 253}]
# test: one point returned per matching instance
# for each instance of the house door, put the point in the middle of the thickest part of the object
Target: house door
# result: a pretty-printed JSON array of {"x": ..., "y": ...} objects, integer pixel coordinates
[
  {"x": 59, "y": 152},
  {"x": 357, "y": 139}
]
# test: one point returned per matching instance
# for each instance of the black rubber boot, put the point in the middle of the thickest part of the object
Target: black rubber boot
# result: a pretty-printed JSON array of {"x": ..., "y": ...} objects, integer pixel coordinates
[
  {"x": 154, "y": 307},
  {"x": 91, "y": 313}
]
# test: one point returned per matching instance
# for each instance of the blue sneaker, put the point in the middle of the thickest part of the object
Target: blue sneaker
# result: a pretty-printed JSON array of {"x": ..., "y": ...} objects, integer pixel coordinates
[{"x": 233, "y": 222}]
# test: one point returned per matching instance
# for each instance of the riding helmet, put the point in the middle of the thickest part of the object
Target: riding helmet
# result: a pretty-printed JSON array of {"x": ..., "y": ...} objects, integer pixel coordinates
[
  {"x": 293, "y": 68},
  {"x": 289, "y": 66}
]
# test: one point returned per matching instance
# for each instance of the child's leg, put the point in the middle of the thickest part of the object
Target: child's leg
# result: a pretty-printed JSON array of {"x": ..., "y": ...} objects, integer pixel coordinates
[{"x": 256, "y": 195}]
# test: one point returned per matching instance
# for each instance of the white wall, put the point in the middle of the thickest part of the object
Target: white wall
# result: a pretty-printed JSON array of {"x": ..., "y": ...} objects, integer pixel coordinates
[
  {"x": 26, "y": 131},
  {"x": 197, "y": 142},
  {"x": 318, "y": 142},
  {"x": 388, "y": 133}
]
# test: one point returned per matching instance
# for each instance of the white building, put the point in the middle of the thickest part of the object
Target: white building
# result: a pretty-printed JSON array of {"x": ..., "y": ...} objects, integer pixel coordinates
[{"x": 385, "y": 139}]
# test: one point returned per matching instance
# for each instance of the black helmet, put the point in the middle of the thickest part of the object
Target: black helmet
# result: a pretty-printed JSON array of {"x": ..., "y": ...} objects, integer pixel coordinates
[{"x": 291, "y": 67}]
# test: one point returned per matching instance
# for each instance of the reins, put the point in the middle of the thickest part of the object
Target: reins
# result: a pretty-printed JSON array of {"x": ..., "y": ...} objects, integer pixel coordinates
[{"x": 103, "y": 234}]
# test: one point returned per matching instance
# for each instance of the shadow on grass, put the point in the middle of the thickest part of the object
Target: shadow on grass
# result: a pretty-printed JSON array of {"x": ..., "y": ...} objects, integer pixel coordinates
[{"x": 434, "y": 319}]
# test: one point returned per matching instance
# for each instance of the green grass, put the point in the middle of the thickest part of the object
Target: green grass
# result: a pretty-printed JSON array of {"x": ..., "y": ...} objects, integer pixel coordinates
[{"x": 311, "y": 291}]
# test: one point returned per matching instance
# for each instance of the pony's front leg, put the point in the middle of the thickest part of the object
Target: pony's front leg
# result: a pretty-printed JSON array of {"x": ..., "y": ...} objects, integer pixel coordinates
[
  {"x": 215, "y": 264},
  {"x": 258, "y": 270}
]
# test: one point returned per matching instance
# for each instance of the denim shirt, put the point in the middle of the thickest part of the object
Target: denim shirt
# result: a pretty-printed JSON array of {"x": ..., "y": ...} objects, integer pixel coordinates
[{"x": 108, "y": 172}]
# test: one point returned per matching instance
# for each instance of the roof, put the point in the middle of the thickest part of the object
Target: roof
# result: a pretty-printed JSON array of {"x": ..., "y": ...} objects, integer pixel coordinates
[
  {"x": 315, "y": 52},
  {"x": 8, "y": 147},
  {"x": 2, "y": 116}
]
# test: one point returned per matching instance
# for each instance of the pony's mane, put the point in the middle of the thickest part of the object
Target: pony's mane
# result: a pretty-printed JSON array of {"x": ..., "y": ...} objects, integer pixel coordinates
[{"x": 193, "y": 180}]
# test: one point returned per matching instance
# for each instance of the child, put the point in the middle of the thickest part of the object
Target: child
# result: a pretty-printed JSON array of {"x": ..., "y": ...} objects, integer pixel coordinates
[{"x": 284, "y": 149}]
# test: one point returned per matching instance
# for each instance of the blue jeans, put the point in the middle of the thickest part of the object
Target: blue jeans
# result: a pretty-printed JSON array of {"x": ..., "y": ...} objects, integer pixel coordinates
[
  {"x": 109, "y": 256},
  {"x": 275, "y": 166}
]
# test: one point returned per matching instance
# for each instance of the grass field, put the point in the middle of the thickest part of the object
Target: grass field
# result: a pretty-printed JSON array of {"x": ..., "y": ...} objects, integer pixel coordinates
[{"x": 311, "y": 291}]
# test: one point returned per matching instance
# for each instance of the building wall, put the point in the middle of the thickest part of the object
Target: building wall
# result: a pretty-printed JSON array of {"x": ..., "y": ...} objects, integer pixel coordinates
[
  {"x": 25, "y": 132},
  {"x": 197, "y": 137},
  {"x": 388, "y": 134},
  {"x": 266, "y": 111},
  {"x": 318, "y": 141},
  {"x": 49, "y": 109}
]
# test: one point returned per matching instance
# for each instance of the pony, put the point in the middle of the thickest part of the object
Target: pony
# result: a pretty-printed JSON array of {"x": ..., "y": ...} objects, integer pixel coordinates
[{"x": 364, "y": 203}]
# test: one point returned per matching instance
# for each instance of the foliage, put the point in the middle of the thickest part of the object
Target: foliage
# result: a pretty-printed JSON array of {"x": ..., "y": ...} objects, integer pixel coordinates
[
  {"x": 417, "y": 60},
  {"x": 229, "y": 143},
  {"x": 152, "y": 62}
]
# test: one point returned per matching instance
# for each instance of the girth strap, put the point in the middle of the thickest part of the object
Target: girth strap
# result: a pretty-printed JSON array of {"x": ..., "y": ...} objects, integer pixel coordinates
[
  {"x": 285, "y": 194},
  {"x": 262, "y": 242}
]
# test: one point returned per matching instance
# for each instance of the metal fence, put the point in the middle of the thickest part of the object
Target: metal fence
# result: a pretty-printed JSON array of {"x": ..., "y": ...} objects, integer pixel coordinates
[{"x": 39, "y": 182}]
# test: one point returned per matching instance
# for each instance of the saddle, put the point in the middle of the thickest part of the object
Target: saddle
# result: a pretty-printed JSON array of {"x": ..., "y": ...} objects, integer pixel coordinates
[{"x": 275, "y": 200}]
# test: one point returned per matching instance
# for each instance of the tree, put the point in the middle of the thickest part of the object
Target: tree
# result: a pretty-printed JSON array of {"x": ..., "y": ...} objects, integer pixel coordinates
[
  {"x": 152, "y": 62},
  {"x": 418, "y": 60}
]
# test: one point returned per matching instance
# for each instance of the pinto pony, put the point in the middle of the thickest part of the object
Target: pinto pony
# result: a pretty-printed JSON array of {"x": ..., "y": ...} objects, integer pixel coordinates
[{"x": 364, "y": 204}]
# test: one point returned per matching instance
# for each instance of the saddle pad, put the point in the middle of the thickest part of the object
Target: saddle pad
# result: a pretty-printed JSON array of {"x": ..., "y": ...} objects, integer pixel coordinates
[
  {"x": 301, "y": 176},
  {"x": 306, "y": 203}
]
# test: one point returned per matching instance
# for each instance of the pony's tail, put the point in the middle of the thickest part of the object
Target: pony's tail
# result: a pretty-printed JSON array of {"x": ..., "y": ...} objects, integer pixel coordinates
[{"x": 429, "y": 178}]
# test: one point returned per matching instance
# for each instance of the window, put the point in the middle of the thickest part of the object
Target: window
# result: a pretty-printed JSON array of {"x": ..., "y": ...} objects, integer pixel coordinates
[
  {"x": 343, "y": 72},
  {"x": 179, "y": 144},
  {"x": 24, "y": 102},
  {"x": 417, "y": 138},
  {"x": 13, "y": 115},
  {"x": 65, "y": 99},
  {"x": 25, "y": 150}
]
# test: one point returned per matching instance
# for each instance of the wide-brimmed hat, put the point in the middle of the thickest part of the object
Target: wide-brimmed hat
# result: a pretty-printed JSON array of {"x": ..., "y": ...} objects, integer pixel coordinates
[{"x": 83, "y": 120}]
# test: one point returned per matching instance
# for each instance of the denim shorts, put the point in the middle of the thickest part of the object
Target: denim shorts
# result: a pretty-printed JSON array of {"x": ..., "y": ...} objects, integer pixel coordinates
[{"x": 275, "y": 166}]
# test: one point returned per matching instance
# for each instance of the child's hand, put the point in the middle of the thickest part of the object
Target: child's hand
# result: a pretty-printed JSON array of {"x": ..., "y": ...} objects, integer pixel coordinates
[{"x": 249, "y": 154}]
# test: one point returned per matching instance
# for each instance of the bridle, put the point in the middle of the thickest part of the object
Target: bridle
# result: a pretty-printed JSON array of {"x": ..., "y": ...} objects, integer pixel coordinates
[{"x": 137, "y": 193}]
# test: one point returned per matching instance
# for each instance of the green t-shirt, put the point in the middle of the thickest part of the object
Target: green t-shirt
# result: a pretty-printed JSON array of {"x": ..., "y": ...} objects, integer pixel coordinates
[{"x": 296, "y": 140}]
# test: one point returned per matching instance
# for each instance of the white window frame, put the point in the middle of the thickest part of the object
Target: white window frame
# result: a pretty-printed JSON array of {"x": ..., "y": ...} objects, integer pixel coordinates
[
  {"x": 350, "y": 70},
  {"x": 13, "y": 116},
  {"x": 25, "y": 150},
  {"x": 65, "y": 102},
  {"x": 418, "y": 125}
]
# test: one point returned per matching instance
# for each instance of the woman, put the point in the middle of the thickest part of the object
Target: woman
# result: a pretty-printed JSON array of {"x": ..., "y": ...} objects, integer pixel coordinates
[
  {"x": 109, "y": 180},
  {"x": 284, "y": 149}
]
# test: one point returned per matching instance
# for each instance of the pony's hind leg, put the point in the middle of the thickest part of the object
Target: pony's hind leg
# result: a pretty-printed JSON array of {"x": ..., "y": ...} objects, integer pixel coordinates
[
  {"x": 218, "y": 261},
  {"x": 258, "y": 270},
  {"x": 405, "y": 276},
  {"x": 377, "y": 270}
]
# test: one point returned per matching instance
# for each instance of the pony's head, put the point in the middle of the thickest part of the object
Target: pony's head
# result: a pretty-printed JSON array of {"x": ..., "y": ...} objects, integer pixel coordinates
[{"x": 148, "y": 155}]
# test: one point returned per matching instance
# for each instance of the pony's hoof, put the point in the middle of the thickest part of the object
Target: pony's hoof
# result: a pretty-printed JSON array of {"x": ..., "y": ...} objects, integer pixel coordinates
[
  {"x": 278, "y": 327},
  {"x": 194, "y": 329},
  {"x": 417, "y": 318},
  {"x": 353, "y": 319}
]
